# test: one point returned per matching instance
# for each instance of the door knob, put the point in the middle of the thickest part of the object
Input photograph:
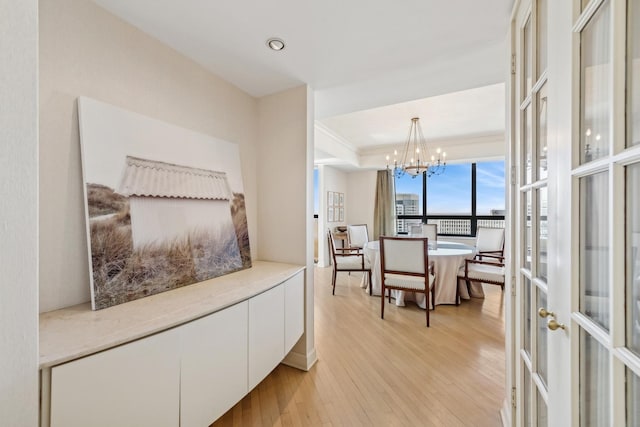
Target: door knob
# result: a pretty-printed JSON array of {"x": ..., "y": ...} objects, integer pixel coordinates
[
  {"x": 553, "y": 325},
  {"x": 542, "y": 312}
]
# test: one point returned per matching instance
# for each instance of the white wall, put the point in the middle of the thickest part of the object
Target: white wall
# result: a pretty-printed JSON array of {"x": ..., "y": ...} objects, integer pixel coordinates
[
  {"x": 285, "y": 207},
  {"x": 361, "y": 187},
  {"x": 85, "y": 50},
  {"x": 330, "y": 179},
  {"x": 19, "y": 213}
]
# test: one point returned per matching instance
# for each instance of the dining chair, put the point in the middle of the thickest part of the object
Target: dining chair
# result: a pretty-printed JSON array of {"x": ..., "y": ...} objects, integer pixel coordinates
[
  {"x": 482, "y": 271},
  {"x": 490, "y": 243},
  {"x": 415, "y": 230},
  {"x": 404, "y": 264},
  {"x": 347, "y": 259},
  {"x": 487, "y": 266},
  {"x": 358, "y": 235},
  {"x": 430, "y": 231}
]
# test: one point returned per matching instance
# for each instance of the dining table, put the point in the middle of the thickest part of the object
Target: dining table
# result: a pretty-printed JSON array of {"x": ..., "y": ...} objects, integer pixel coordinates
[{"x": 447, "y": 258}]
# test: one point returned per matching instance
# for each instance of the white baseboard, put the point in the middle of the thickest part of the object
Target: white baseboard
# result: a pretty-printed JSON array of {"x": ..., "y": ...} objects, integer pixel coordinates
[{"x": 301, "y": 361}]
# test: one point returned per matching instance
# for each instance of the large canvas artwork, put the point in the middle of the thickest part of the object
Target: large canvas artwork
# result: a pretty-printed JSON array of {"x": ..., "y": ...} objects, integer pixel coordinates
[{"x": 164, "y": 205}]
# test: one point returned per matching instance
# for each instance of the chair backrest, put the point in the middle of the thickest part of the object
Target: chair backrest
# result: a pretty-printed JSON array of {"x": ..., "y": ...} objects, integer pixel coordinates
[
  {"x": 415, "y": 230},
  {"x": 358, "y": 235},
  {"x": 404, "y": 255},
  {"x": 430, "y": 231},
  {"x": 490, "y": 239},
  {"x": 332, "y": 245}
]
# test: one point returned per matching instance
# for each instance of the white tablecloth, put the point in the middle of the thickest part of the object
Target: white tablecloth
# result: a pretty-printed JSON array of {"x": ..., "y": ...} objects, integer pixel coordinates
[{"x": 447, "y": 259}]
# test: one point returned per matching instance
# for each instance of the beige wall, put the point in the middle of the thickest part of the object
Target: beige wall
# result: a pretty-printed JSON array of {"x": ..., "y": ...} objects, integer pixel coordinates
[
  {"x": 85, "y": 50},
  {"x": 19, "y": 213},
  {"x": 285, "y": 210}
]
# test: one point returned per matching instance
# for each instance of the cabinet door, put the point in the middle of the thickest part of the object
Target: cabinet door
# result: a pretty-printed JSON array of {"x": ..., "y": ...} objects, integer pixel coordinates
[
  {"x": 214, "y": 365},
  {"x": 136, "y": 384},
  {"x": 294, "y": 311},
  {"x": 266, "y": 333}
]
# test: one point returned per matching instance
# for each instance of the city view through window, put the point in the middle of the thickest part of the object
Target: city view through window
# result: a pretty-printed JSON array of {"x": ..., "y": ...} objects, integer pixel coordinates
[{"x": 449, "y": 199}]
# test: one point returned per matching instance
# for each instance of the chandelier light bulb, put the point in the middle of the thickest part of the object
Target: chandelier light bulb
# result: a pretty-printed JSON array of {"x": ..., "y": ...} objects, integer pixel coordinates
[
  {"x": 598, "y": 137},
  {"x": 438, "y": 150},
  {"x": 588, "y": 132}
]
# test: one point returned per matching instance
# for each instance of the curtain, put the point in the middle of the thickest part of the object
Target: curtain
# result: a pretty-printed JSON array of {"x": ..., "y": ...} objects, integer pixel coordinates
[{"x": 384, "y": 212}]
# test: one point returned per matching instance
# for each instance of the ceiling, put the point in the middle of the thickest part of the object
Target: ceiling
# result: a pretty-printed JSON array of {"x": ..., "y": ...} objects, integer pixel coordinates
[{"x": 357, "y": 55}]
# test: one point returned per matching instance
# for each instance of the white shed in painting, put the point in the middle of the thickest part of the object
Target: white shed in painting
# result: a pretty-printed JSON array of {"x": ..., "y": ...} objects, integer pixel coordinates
[{"x": 168, "y": 202}]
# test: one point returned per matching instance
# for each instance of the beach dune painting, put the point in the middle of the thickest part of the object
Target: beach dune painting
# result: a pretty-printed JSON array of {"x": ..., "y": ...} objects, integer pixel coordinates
[{"x": 164, "y": 205}]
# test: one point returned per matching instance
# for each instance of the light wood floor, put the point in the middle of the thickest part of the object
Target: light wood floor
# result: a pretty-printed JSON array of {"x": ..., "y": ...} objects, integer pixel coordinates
[{"x": 396, "y": 371}]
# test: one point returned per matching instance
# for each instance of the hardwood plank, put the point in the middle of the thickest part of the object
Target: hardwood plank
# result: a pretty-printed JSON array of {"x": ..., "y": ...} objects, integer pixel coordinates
[{"x": 391, "y": 372}]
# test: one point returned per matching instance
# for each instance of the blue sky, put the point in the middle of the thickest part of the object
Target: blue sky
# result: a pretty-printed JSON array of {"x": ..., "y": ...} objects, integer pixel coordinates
[{"x": 450, "y": 193}]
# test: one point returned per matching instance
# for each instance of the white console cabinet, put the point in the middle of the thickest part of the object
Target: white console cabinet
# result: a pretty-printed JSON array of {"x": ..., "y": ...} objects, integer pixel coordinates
[
  {"x": 183, "y": 358},
  {"x": 213, "y": 373},
  {"x": 132, "y": 385}
]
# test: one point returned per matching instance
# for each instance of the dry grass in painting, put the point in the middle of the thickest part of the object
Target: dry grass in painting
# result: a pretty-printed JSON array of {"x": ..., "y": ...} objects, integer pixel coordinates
[
  {"x": 122, "y": 274},
  {"x": 239, "y": 216}
]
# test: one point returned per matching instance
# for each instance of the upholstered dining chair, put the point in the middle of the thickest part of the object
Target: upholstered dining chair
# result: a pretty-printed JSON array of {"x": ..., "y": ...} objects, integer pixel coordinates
[
  {"x": 358, "y": 235},
  {"x": 490, "y": 243},
  {"x": 488, "y": 264},
  {"x": 415, "y": 230},
  {"x": 347, "y": 259},
  {"x": 404, "y": 264},
  {"x": 483, "y": 271},
  {"x": 430, "y": 231}
]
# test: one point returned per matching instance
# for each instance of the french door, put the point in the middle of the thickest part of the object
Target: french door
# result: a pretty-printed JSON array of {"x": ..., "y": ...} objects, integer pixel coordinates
[{"x": 576, "y": 115}]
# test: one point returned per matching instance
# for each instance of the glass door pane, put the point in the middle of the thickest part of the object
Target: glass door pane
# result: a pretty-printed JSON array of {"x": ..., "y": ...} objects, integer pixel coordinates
[
  {"x": 527, "y": 145},
  {"x": 595, "y": 89},
  {"x": 542, "y": 412},
  {"x": 526, "y": 314},
  {"x": 633, "y": 74},
  {"x": 542, "y": 36},
  {"x": 633, "y": 258},
  {"x": 542, "y": 339},
  {"x": 528, "y": 232},
  {"x": 542, "y": 132},
  {"x": 526, "y": 397},
  {"x": 527, "y": 63},
  {"x": 633, "y": 399},
  {"x": 541, "y": 256},
  {"x": 594, "y": 382},
  {"x": 594, "y": 248}
]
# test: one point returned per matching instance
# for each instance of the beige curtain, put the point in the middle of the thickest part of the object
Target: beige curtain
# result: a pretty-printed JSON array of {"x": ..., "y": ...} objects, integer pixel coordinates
[{"x": 384, "y": 213}]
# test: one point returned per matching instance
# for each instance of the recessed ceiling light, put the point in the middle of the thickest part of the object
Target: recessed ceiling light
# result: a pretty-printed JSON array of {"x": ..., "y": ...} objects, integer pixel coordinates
[{"x": 275, "y": 44}]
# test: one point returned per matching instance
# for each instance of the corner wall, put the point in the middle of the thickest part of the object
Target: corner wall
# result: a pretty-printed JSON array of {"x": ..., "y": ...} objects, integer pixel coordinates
[
  {"x": 19, "y": 213},
  {"x": 285, "y": 201},
  {"x": 85, "y": 50}
]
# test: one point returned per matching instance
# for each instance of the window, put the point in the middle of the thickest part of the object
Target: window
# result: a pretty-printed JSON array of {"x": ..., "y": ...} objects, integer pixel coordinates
[
  {"x": 450, "y": 193},
  {"x": 465, "y": 197}
]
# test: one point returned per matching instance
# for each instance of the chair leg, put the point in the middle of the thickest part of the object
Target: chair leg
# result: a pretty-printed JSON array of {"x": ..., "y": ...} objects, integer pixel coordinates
[
  {"x": 370, "y": 284},
  {"x": 333, "y": 282},
  {"x": 382, "y": 304},
  {"x": 426, "y": 295}
]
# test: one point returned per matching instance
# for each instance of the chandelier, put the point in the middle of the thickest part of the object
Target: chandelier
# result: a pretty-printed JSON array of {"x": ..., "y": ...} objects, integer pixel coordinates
[{"x": 415, "y": 159}]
